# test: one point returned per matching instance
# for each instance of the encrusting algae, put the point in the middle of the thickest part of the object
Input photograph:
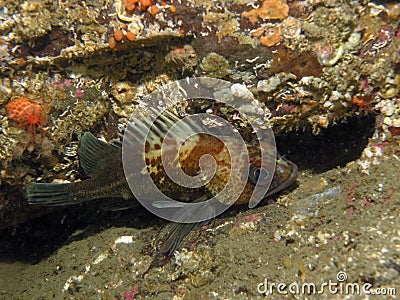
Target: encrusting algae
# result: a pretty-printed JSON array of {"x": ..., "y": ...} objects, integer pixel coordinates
[{"x": 269, "y": 10}]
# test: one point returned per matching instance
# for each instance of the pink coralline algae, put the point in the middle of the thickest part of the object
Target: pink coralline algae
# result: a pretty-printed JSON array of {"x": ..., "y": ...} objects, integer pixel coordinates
[{"x": 131, "y": 294}]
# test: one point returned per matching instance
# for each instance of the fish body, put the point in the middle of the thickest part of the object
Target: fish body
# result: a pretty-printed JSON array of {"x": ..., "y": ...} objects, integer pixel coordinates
[{"x": 102, "y": 163}]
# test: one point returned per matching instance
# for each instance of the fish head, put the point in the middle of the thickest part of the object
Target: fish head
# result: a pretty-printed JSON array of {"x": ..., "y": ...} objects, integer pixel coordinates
[
  {"x": 263, "y": 167},
  {"x": 270, "y": 170}
]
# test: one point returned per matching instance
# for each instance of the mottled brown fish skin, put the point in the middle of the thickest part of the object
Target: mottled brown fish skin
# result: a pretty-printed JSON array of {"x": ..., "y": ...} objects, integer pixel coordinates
[
  {"x": 109, "y": 180},
  {"x": 102, "y": 162},
  {"x": 285, "y": 172},
  {"x": 102, "y": 186}
]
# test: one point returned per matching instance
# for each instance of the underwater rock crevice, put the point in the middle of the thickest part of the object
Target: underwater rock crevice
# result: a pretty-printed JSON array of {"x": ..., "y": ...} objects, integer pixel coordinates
[{"x": 333, "y": 147}]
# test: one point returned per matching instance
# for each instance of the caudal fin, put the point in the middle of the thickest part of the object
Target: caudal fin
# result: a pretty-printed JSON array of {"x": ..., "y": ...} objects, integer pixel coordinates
[{"x": 50, "y": 194}]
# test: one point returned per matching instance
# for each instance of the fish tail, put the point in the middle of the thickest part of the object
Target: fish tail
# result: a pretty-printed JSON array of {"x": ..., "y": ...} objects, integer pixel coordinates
[{"x": 50, "y": 194}]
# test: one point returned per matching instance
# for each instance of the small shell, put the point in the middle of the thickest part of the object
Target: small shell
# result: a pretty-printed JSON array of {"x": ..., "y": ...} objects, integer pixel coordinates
[
  {"x": 240, "y": 90},
  {"x": 291, "y": 27}
]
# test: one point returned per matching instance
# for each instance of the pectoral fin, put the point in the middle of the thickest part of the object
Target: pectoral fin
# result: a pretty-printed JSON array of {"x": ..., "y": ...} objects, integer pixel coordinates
[{"x": 184, "y": 217}]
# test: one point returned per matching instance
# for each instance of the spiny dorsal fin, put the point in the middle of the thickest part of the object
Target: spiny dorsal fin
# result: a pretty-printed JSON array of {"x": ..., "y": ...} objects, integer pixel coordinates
[
  {"x": 142, "y": 128},
  {"x": 93, "y": 151}
]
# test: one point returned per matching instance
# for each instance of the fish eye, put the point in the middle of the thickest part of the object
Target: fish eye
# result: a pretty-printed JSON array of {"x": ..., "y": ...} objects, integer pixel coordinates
[{"x": 258, "y": 174}]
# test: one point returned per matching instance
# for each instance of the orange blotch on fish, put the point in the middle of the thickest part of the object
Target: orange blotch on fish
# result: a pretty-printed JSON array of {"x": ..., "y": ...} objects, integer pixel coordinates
[
  {"x": 199, "y": 145},
  {"x": 172, "y": 9},
  {"x": 147, "y": 147},
  {"x": 269, "y": 10},
  {"x": 26, "y": 113}
]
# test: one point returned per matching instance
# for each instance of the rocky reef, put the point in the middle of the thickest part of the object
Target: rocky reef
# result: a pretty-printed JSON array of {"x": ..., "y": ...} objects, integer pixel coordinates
[{"x": 312, "y": 64}]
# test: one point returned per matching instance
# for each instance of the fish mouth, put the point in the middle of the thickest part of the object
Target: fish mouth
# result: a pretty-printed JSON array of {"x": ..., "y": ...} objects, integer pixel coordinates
[{"x": 292, "y": 178}]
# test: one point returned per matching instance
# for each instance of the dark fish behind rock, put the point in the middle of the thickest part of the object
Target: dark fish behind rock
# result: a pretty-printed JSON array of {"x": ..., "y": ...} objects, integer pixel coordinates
[{"x": 102, "y": 163}]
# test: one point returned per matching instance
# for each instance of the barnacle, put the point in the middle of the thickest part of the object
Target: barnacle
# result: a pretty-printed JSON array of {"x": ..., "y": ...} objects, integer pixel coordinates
[
  {"x": 291, "y": 27},
  {"x": 326, "y": 53}
]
